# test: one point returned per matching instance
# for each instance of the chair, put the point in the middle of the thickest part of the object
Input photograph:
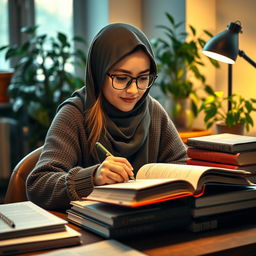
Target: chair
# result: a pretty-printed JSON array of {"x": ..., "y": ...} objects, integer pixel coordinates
[{"x": 16, "y": 190}]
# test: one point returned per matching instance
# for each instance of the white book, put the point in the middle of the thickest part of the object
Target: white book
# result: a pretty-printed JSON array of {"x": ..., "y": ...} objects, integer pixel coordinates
[
  {"x": 29, "y": 219},
  {"x": 157, "y": 182},
  {"x": 15, "y": 246}
]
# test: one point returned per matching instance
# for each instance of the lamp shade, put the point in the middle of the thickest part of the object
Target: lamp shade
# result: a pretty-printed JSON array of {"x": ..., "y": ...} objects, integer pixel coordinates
[{"x": 224, "y": 46}]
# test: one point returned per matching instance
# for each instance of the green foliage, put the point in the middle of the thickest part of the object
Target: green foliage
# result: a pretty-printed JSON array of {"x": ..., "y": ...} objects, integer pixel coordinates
[
  {"x": 214, "y": 107},
  {"x": 43, "y": 78},
  {"x": 179, "y": 62}
]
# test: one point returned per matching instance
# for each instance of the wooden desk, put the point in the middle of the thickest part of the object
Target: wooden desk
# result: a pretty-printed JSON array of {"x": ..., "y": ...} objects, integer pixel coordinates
[{"x": 235, "y": 241}]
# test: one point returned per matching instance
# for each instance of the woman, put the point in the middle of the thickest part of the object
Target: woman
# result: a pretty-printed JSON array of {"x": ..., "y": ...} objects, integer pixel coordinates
[{"x": 113, "y": 108}]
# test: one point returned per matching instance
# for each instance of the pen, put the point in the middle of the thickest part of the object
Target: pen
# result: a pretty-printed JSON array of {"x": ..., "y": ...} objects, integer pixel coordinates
[
  {"x": 7, "y": 220},
  {"x": 107, "y": 153}
]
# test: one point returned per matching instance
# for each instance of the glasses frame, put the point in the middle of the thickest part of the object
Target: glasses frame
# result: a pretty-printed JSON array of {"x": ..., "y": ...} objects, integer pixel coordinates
[{"x": 112, "y": 76}]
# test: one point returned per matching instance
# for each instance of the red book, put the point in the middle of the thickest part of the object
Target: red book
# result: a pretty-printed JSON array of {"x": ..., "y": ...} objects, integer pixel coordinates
[
  {"x": 251, "y": 167},
  {"x": 242, "y": 158}
]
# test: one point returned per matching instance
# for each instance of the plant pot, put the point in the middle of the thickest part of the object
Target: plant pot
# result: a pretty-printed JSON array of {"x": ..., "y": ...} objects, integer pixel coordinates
[
  {"x": 182, "y": 115},
  {"x": 5, "y": 79},
  {"x": 221, "y": 127}
]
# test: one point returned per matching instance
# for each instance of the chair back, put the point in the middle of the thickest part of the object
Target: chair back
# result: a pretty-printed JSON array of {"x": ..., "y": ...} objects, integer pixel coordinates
[{"x": 16, "y": 190}]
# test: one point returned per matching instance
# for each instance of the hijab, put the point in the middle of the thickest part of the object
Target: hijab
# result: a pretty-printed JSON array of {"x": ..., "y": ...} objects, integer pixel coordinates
[{"x": 126, "y": 132}]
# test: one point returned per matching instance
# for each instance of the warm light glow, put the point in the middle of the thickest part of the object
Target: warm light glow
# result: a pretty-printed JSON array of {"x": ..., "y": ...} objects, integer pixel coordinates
[{"x": 219, "y": 57}]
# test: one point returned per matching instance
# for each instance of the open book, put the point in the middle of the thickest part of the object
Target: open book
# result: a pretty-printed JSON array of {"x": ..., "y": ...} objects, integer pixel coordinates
[{"x": 160, "y": 182}]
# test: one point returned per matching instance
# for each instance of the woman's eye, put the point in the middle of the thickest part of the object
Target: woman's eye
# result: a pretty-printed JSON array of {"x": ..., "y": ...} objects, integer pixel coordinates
[
  {"x": 122, "y": 78},
  {"x": 143, "y": 78}
]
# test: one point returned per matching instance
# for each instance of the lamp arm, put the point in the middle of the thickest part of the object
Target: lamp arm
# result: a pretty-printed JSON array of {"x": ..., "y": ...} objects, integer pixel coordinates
[{"x": 247, "y": 58}]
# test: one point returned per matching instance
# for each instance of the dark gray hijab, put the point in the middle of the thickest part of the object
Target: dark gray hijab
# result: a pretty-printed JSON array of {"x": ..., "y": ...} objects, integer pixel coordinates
[{"x": 126, "y": 132}]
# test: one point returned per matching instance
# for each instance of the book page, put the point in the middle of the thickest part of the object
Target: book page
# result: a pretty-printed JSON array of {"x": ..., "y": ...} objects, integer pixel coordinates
[
  {"x": 136, "y": 184},
  {"x": 189, "y": 173},
  {"x": 27, "y": 216},
  {"x": 68, "y": 233},
  {"x": 107, "y": 248}
]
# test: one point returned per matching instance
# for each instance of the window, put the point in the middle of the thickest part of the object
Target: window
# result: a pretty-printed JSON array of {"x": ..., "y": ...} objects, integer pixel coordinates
[
  {"x": 4, "y": 39},
  {"x": 54, "y": 16}
]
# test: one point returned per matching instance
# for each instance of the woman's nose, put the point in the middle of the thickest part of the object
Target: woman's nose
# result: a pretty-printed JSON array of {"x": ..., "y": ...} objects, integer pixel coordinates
[{"x": 132, "y": 88}]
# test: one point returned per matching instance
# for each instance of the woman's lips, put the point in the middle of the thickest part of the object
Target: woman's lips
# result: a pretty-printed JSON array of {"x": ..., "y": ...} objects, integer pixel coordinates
[{"x": 129, "y": 100}]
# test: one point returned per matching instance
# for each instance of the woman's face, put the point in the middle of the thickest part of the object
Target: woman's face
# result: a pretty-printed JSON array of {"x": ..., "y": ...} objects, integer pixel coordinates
[{"x": 134, "y": 65}]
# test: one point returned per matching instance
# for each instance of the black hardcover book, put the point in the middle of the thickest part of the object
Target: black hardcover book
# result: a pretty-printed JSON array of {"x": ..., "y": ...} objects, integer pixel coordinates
[
  {"x": 118, "y": 216},
  {"x": 227, "y": 219},
  {"x": 216, "y": 194},
  {"x": 108, "y": 231}
]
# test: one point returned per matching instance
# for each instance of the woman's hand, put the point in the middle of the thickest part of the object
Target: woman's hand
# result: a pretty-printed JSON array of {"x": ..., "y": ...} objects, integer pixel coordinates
[{"x": 112, "y": 170}]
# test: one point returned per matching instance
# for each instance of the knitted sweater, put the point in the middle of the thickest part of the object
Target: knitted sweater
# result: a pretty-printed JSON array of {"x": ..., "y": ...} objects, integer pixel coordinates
[{"x": 65, "y": 169}]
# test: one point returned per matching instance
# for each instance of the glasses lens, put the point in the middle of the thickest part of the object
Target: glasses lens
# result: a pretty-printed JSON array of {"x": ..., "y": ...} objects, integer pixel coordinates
[
  {"x": 120, "y": 81},
  {"x": 145, "y": 81}
]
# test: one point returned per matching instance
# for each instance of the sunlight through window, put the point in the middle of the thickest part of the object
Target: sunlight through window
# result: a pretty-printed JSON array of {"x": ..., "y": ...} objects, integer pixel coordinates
[{"x": 4, "y": 40}]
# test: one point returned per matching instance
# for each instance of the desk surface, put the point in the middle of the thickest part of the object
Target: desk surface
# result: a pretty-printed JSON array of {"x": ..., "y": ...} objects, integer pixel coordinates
[{"x": 233, "y": 241}]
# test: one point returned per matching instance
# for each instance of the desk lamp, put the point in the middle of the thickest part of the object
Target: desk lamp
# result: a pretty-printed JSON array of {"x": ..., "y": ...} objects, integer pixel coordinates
[{"x": 224, "y": 47}]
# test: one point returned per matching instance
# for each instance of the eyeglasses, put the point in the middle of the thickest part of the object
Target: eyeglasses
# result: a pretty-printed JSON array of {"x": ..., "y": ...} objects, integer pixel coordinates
[{"x": 121, "y": 82}]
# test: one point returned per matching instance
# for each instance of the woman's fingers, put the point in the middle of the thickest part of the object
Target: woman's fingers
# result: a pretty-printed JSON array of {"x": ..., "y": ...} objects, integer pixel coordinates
[
  {"x": 116, "y": 170},
  {"x": 104, "y": 176},
  {"x": 122, "y": 160},
  {"x": 123, "y": 163},
  {"x": 113, "y": 170}
]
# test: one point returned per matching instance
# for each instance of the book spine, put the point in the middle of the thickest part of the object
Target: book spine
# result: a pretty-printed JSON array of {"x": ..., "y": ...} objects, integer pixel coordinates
[
  {"x": 136, "y": 217},
  {"x": 211, "y": 164},
  {"x": 147, "y": 217},
  {"x": 108, "y": 232},
  {"x": 176, "y": 223},
  {"x": 244, "y": 216},
  {"x": 123, "y": 221},
  {"x": 203, "y": 225},
  {"x": 211, "y": 146},
  {"x": 213, "y": 156}
]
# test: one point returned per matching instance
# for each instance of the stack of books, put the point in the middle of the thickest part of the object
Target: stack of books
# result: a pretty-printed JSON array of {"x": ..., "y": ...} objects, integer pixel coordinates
[
  {"x": 26, "y": 227},
  {"x": 112, "y": 221},
  {"x": 223, "y": 150},
  {"x": 159, "y": 199},
  {"x": 223, "y": 204}
]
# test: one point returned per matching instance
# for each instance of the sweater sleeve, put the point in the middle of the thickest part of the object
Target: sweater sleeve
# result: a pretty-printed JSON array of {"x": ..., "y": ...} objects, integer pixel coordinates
[{"x": 63, "y": 172}]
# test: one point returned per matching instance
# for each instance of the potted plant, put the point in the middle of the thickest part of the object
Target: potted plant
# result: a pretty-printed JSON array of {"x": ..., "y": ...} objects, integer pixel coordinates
[
  {"x": 43, "y": 78},
  {"x": 234, "y": 120},
  {"x": 179, "y": 62}
]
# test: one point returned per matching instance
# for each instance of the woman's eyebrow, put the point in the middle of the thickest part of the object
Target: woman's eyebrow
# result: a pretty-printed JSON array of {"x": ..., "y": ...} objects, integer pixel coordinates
[
  {"x": 145, "y": 71},
  {"x": 128, "y": 71}
]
